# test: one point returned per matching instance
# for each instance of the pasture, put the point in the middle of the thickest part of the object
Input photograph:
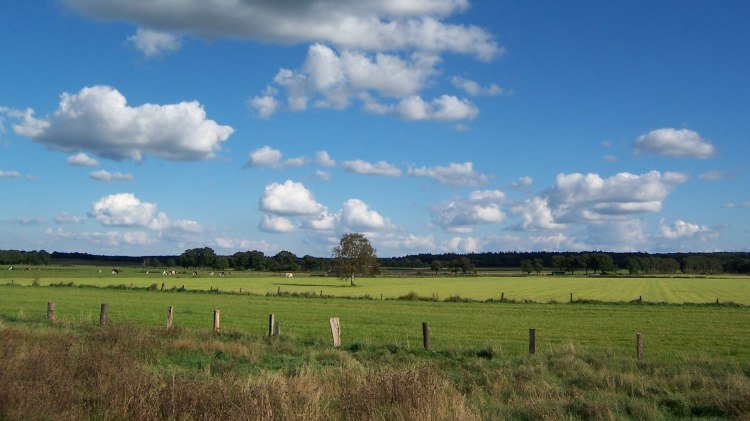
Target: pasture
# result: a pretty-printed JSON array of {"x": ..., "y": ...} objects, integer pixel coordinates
[
  {"x": 696, "y": 362},
  {"x": 672, "y": 332},
  {"x": 541, "y": 288}
]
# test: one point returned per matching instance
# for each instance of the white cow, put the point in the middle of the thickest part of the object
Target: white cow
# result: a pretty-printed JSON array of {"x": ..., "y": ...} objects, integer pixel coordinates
[
  {"x": 164, "y": 273},
  {"x": 10, "y": 268},
  {"x": 290, "y": 275}
]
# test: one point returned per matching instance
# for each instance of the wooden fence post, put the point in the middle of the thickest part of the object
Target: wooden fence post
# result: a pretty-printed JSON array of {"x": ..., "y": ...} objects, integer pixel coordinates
[
  {"x": 335, "y": 331},
  {"x": 51, "y": 312},
  {"x": 571, "y": 297},
  {"x": 640, "y": 299},
  {"x": 532, "y": 341},
  {"x": 639, "y": 347},
  {"x": 217, "y": 321},
  {"x": 426, "y": 335},
  {"x": 170, "y": 311},
  {"x": 103, "y": 315},
  {"x": 502, "y": 296},
  {"x": 270, "y": 324}
]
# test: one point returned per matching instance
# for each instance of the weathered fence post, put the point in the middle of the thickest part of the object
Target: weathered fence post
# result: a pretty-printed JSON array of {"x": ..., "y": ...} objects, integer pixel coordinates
[
  {"x": 103, "y": 315},
  {"x": 502, "y": 296},
  {"x": 640, "y": 299},
  {"x": 278, "y": 291},
  {"x": 170, "y": 311},
  {"x": 532, "y": 341},
  {"x": 639, "y": 347},
  {"x": 335, "y": 331},
  {"x": 51, "y": 312},
  {"x": 270, "y": 324},
  {"x": 426, "y": 335},
  {"x": 217, "y": 321},
  {"x": 571, "y": 297}
]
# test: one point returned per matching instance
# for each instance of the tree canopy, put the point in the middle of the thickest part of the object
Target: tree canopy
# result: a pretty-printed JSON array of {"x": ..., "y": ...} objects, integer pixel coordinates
[{"x": 354, "y": 256}]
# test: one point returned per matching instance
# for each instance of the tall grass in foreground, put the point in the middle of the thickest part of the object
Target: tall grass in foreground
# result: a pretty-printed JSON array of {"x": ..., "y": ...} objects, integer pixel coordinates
[{"x": 75, "y": 371}]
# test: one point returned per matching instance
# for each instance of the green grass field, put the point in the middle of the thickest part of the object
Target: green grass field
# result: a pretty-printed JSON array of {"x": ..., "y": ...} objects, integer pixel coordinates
[
  {"x": 671, "y": 331},
  {"x": 535, "y": 288}
]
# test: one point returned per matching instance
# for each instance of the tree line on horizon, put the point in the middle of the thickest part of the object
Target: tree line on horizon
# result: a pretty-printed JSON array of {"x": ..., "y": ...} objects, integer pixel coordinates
[{"x": 286, "y": 261}]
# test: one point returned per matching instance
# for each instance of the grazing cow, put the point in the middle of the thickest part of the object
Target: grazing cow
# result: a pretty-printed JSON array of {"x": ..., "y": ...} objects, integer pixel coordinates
[
  {"x": 290, "y": 275},
  {"x": 147, "y": 272},
  {"x": 212, "y": 274},
  {"x": 174, "y": 273},
  {"x": 195, "y": 273},
  {"x": 221, "y": 273},
  {"x": 115, "y": 271},
  {"x": 10, "y": 268},
  {"x": 164, "y": 273}
]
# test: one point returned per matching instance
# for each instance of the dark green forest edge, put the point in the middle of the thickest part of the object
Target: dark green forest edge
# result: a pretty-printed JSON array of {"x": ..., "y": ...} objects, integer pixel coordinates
[
  {"x": 583, "y": 262},
  {"x": 531, "y": 262}
]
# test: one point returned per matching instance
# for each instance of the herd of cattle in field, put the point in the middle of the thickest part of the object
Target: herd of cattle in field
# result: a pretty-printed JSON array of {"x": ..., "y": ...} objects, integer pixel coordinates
[{"x": 173, "y": 273}]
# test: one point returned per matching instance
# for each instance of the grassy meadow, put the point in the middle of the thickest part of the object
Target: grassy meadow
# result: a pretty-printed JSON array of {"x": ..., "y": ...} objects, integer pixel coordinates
[
  {"x": 696, "y": 363},
  {"x": 542, "y": 288}
]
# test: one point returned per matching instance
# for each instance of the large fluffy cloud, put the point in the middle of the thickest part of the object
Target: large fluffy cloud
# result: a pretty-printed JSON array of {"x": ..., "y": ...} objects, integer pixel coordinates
[
  {"x": 98, "y": 119},
  {"x": 480, "y": 207},
  {"x": 577, "y": 197},
  {"x": 454, "y": 174},
  {"x": 126, "y": 210},
  {"x": 371, "y": 25},
  {"x": 356, "y": 215},
  {"x": 330, "y": 79},
  {"x": 675, "y": 143},
  {"x": 291, "y": 206},
  {"x": 535, "y": 215},
  {"x": 289, "y": 199}
]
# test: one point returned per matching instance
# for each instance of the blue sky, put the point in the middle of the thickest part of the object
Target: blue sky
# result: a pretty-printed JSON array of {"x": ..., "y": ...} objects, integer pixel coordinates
[{"x": 148, "y": 127}]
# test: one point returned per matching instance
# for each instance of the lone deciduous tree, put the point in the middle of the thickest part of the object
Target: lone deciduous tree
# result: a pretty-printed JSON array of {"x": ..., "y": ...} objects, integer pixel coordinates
[{"x": 354, "y": 255}]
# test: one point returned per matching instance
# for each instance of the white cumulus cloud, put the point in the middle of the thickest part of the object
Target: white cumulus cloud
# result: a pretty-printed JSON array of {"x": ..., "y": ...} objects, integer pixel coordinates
[
  {"x": 82, "y": 160},
  {"x": 154, "y": 43},
  {"x": 681, "y": 229},
  {"x": 480, "y": 207},
  {"x": 371, "y": 25},
  {"x": 454, "y": 174},
  {"x": 475, "y": 89},
  {"x": 9, "y": 174},
  {"x": 443, "y": 108},
  {"x": 98, "y": 119},
  {"x": 674, "y": 143},
  {"x": 324, "y": 160},
  {"x": 522, "y": 182},
  {"x": 380, "y": 168},
  {"x": 126, "y": 210},
  {"x": 590, "y": 197},
  {"x": 289, "y": 199},
  {"x": 276, "y": 224},
  {"x": 104, "y": 175},
  {"x": 356, "y": 215},
  {"x": 266, "y": 156}
]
